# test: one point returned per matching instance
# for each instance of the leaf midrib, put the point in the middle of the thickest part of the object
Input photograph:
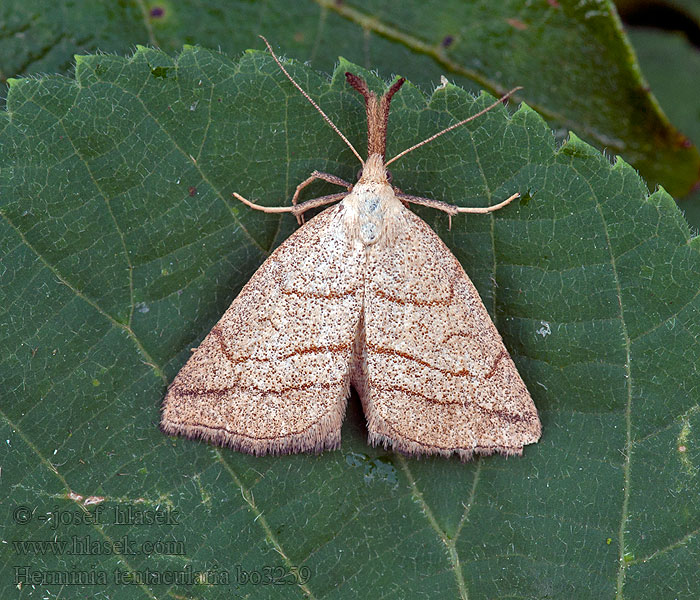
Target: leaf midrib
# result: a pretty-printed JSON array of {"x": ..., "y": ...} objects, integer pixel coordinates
[{"x": 628, "y": 406}]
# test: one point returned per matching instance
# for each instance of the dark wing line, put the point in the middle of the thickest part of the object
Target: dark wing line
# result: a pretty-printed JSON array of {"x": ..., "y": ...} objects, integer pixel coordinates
[
  {"x": 331, "y": 296},
  {"x": 297, "y": 351},
  {"x": 445, "y": 302},
  {"x": 506, "y": 416},
  {"x": 389, "y": 351},
  {"x": 262, "y": 437},
  {"x": 492, "y": 370},
  {"x": 236, "y": 387}
]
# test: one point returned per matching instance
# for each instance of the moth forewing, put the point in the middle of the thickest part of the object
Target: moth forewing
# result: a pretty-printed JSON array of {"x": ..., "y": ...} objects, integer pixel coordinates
[{"x": 364, "y": 294}]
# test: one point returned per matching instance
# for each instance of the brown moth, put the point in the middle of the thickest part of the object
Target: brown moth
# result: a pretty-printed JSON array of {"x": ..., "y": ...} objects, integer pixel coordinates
[{"x": 365, "y": 295}]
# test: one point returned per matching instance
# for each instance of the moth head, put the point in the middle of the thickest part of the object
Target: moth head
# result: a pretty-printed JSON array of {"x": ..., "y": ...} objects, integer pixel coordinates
[
  {"x": 360, "y": 172},
  {"x": 374, "y": 171}
]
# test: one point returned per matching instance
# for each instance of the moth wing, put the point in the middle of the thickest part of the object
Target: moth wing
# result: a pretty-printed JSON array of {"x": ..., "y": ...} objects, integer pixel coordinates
[
  {"x": 272, "y": 376},
  {"x": 436, "y": 377}
]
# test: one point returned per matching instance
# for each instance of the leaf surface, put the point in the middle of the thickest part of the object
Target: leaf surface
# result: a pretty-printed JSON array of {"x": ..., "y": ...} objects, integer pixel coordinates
[
  {"x": 121, "y": 247},
  {"x": 571, "y": 56}
]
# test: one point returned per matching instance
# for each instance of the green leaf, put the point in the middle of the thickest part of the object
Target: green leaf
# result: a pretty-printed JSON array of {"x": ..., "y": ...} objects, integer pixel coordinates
[
  {"x": 672, "y": 66},
  {"x": 572, "y": 58},
  {"x": 121, "y": 246}
]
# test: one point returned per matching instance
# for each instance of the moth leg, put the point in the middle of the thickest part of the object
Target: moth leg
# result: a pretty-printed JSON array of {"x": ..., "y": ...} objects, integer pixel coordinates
[
  {"x": 452, "y": 209},
  {"x": 310, "y": 179},
  {"x": 298, "y": 209},
  {"x": 320, "y": 175}
]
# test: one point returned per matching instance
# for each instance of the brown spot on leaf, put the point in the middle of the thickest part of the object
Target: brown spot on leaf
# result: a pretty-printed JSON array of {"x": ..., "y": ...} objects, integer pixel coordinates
[{"x": 519, "y": 25}]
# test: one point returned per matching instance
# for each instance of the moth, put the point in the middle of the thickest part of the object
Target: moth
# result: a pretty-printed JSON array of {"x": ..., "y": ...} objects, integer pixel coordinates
[{"x": 366, "y": 295}]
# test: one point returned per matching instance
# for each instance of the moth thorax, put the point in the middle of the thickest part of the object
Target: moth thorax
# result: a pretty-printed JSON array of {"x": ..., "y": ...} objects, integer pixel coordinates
[{"x": 371, "y": 205}]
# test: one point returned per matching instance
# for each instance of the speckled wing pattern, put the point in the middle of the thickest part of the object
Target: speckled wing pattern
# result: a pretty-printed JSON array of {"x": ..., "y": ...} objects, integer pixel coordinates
[
  {"x": 273, "y": 375},
  {"x": 437, "y": 378}
]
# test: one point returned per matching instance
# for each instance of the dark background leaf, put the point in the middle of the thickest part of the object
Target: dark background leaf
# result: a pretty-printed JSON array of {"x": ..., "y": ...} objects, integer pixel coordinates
[
  {"x": 572, "y": 58},
  {"x": 666, "y": 35},
  {"x": 121, "y": 247}
]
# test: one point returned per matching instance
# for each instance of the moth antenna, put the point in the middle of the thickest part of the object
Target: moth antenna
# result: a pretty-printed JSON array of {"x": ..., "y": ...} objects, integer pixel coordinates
[
  {"x": 451, "y": 127},
  {"x": 316, "y": 106}
]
